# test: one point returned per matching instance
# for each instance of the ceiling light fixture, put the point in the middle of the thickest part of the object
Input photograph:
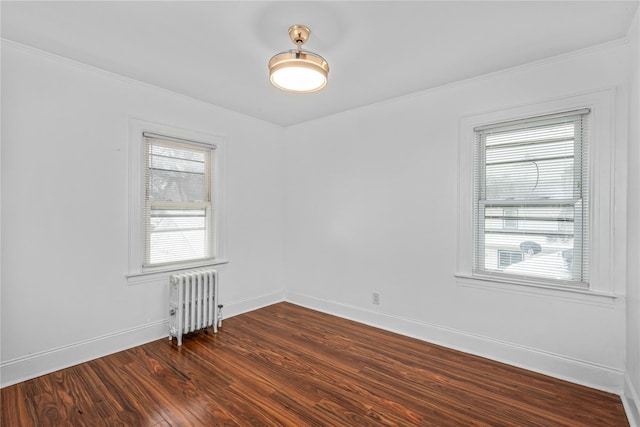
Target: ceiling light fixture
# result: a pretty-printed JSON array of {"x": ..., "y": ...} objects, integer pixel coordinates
[{"x": 298, "y": 70}]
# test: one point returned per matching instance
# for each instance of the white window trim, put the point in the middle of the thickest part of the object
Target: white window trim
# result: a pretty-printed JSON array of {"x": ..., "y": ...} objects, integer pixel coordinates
[
  {"x": 135, "y": 271},
  {"x": 601, "y": 156}
]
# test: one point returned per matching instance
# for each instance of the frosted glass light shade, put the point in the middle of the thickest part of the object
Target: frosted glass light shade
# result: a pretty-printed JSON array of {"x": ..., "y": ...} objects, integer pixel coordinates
[{"x": 298, "y": 71}]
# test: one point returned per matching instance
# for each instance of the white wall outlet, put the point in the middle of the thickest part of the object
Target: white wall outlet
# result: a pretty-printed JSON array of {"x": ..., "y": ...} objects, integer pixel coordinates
[{"x": 375, "y": 298}]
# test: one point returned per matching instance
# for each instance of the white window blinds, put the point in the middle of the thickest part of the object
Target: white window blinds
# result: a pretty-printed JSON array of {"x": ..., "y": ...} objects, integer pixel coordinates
[
  {"x": 531, "y": 199},
  {"x": 178, "y": 215}
]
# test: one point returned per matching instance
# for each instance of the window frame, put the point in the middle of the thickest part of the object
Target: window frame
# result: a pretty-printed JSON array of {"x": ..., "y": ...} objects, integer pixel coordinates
[
  {"x": 137, "y": 199},
  {"x": 577, "y": 200},
  {"x": 207, "y": 204},
  {"x": 601, "y": 194}
]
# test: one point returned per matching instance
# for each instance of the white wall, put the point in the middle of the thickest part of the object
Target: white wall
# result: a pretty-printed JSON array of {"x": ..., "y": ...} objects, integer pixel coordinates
[
  {"x": 632, "y": 378},
  {"x": 64, "y": 211},
  {"x": 371, "y": 206},
  {"x": 360, "y": 215}
]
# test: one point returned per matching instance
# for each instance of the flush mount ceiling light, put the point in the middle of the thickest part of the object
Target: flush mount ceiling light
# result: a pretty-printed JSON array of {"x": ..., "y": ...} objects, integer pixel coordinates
[{"x": 298, "y": 70}]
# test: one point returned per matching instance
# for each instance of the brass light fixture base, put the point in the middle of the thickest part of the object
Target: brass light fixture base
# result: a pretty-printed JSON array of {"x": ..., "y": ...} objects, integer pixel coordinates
[{"x": 299, "y": 34}]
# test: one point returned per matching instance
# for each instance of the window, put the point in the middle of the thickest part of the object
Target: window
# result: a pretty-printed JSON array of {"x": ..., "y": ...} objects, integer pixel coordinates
[
  {"x": 178, "y": 216},
  {"x": 559, "y": 155},
  {"x": 176, "y": 200},
  {"x": 531, "y": 197},
  {"x": 506, "y": 258}
]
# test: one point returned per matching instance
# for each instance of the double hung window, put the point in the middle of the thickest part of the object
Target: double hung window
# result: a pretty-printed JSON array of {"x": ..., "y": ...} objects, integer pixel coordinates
[
  {"x": 178, "y": 216},
  {"x": 176, "y": 200},
  {"x": 531, "y": 199}
]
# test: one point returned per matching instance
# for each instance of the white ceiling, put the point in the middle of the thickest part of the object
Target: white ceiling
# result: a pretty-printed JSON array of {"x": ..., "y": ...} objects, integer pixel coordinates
[{"x": 218, "y": 51}]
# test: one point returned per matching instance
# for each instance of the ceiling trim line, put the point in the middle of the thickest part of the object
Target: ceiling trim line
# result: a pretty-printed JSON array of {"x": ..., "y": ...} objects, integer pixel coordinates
[
  {"x": 471, "y": 80},
  {"x": 110, "y": 74}
]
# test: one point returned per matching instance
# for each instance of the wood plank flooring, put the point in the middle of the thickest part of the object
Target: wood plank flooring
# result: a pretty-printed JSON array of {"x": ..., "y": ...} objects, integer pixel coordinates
[{"x": 289, "y": 366}]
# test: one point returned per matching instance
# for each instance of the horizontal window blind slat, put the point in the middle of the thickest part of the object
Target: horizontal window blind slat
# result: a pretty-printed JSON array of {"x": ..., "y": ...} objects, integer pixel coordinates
[
  {"x": 199, "y": 215},
  {"x": 528, "y": 233},
  {"x": 166, "y": 156},
  {"x": 534, "y": 159},
  {"x": 178, "y": 229},
  {"x": 152, "y": 169},
  {"x": 527, "y": 143},
  {"x": 528, "y": 218},
  {"x": 529, "y": 202}
]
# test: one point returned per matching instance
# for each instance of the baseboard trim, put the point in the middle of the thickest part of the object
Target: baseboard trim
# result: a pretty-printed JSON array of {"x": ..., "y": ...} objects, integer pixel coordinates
[
  {"x": 48, "y": 361},
  {"x": 559, "y": 366},
  {"x": 631, "y": 402},
  {"x": 44, "y": 362},
  {"x": 236, "y": 308}
]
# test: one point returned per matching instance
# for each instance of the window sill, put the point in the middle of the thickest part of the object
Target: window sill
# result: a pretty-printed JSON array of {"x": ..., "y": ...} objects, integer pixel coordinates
[
  {"x": 161, "y": 274},
  {"x": 539, "y": 289}
]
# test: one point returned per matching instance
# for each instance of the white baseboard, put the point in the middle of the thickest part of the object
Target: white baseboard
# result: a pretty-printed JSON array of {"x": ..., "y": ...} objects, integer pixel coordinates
[
  {"x": 555, "y": 365},
  {"x": 44, "y": 362},
  {"x": 559, "y": 366},
  {"x": 631, "y": 402},
  {"x": 235, "y": 308}
]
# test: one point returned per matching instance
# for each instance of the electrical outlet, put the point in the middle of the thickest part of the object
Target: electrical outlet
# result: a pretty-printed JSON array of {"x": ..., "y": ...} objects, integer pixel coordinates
[{"x": 376, "y": 298}]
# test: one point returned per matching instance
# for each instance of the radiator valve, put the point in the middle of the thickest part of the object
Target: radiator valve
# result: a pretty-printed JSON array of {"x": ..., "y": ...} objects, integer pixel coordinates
[{"x": 220, "y": 315}]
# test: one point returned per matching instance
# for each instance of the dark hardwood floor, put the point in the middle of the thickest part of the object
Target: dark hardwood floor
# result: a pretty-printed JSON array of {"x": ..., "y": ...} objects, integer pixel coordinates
[{"x": 290, "y": 366}]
